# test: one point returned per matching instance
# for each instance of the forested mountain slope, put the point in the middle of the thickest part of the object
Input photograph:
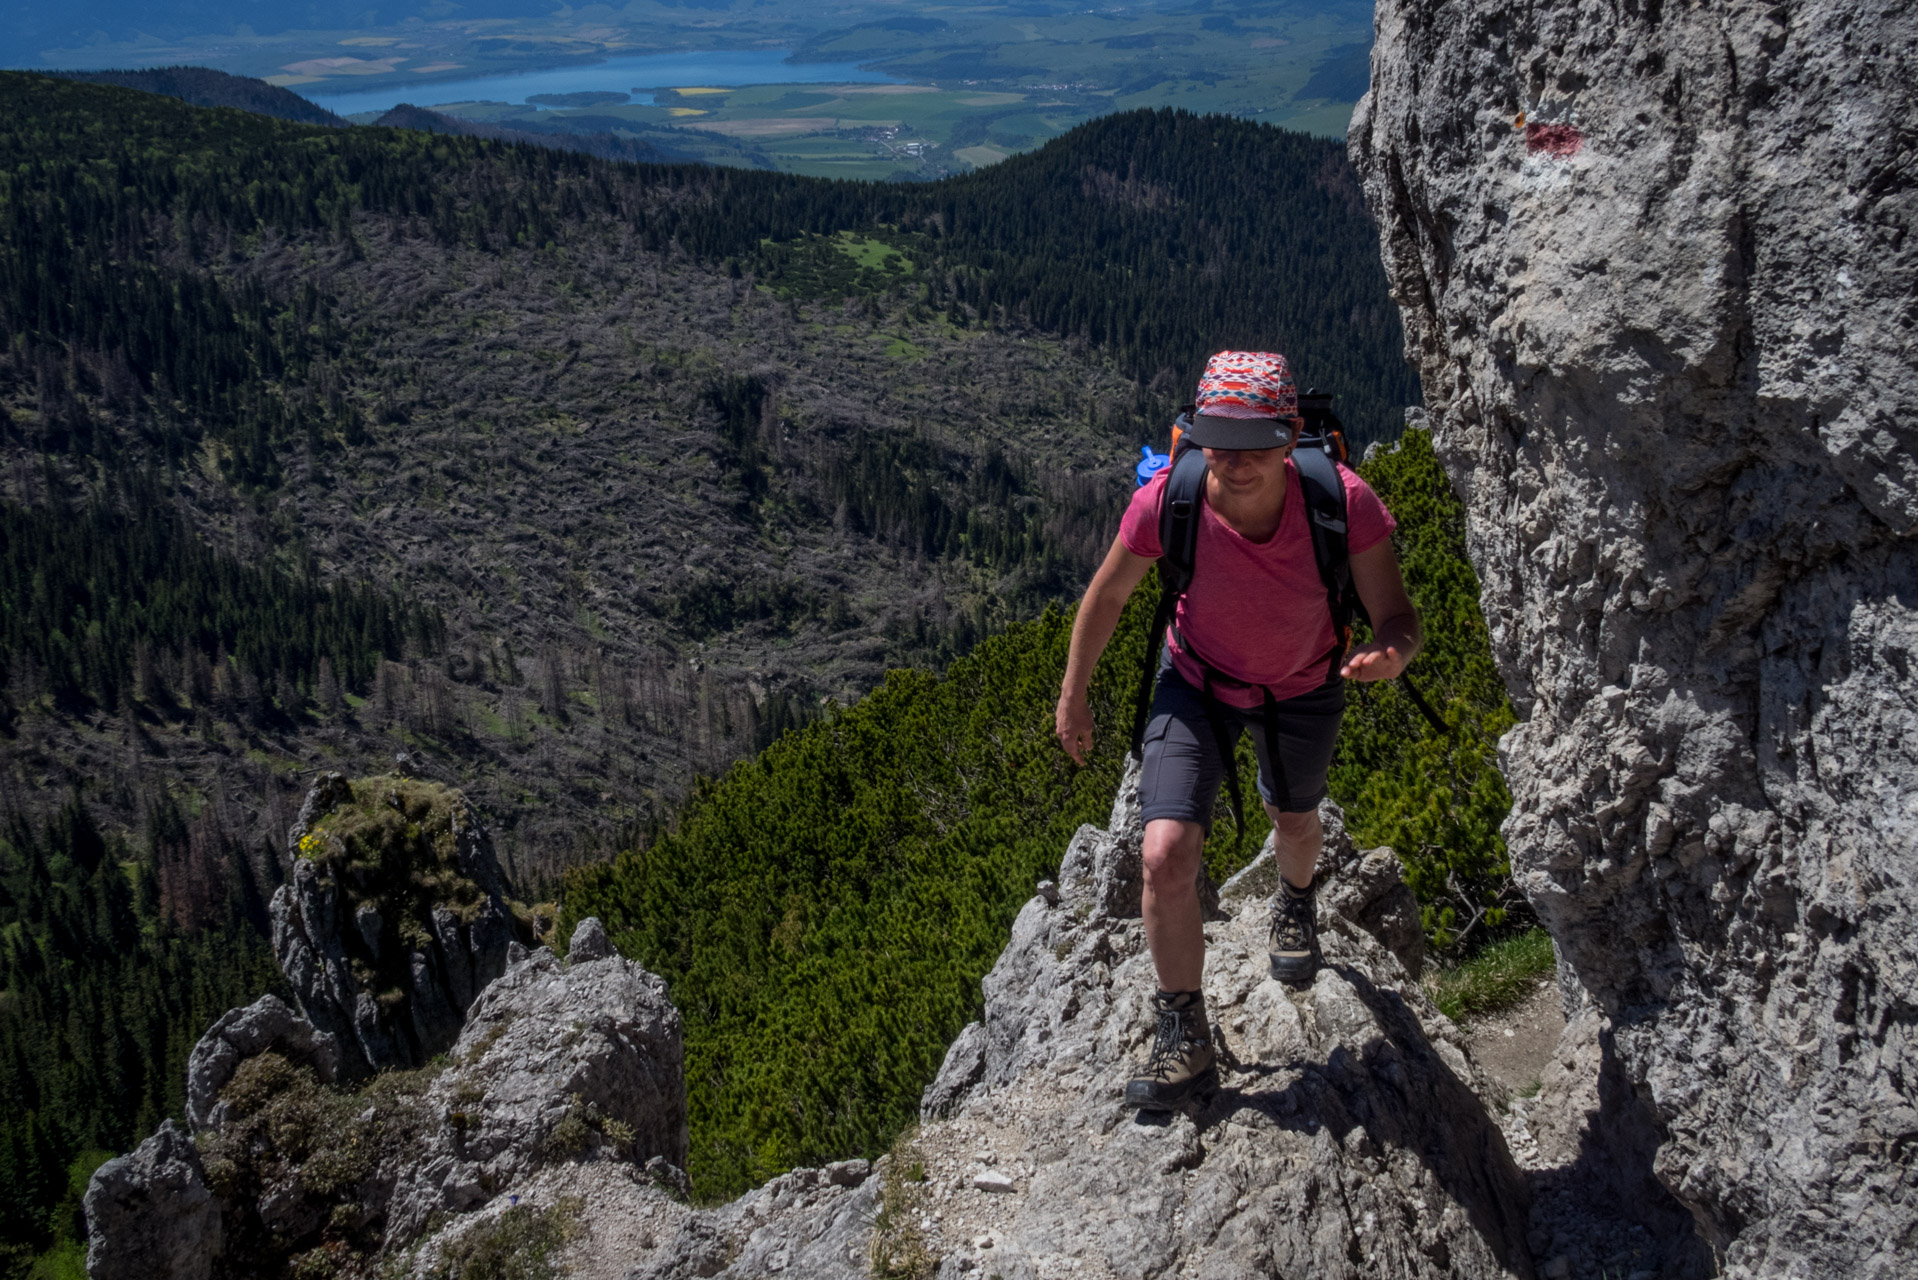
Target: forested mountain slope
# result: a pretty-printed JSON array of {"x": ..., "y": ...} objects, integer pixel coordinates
[
  {"x": 205, "y": 87},
  {"x": 661, "y": 456}
]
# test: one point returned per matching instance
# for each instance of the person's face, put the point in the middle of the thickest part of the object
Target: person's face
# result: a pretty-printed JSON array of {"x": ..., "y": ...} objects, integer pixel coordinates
[{"x": 1246, "y": 472}]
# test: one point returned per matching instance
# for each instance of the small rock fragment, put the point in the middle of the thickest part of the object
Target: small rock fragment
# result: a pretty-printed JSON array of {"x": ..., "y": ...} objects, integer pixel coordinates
[
  {"x": 847, "y": 1173},
  {"x": 992, "y": 1180},
  {"x": 589, "y": 942}
]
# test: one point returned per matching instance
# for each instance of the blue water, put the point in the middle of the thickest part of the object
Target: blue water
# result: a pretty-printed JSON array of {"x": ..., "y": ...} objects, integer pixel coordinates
[{"x": 617, "y": 75}]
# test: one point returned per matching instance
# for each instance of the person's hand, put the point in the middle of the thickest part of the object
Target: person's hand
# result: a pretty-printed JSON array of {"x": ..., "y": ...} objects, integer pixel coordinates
[
  {"x": 1371, "y": 662},
  {"x": 1072, "y": 722}
]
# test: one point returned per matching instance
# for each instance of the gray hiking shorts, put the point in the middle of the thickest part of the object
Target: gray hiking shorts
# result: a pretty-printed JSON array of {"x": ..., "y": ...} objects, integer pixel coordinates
[{"x": 1183, "y": 769}]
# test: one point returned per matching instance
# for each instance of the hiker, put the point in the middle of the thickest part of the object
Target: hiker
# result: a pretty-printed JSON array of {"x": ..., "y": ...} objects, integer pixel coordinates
[{"x": 1251, "y": 648}]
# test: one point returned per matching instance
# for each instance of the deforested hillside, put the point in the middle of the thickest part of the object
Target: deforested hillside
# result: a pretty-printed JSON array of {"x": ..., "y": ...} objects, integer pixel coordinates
[{"x": 640, "y": 464}]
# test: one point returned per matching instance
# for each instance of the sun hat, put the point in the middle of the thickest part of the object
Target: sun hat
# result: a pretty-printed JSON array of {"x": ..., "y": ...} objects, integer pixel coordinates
[{"x": 1246, "y": 400}]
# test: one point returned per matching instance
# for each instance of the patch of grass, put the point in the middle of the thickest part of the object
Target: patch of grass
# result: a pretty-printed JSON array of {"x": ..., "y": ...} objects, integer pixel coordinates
[
  {"x": 1495, "y": 978},
  {"x": 874, "y": 254},
  {"x": 517, "y": 1245},
  {"x": 899, "y": 1250}
]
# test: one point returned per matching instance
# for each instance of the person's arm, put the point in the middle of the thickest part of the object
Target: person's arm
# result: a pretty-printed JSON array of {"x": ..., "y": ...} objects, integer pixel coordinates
[
  {"x": 1098, "y": 617},
  {"x": 1396, "y": 637}
]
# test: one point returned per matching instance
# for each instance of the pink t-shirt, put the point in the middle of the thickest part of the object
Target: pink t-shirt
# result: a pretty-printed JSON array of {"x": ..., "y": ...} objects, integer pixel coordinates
[{"x": 1256, "y": 611}]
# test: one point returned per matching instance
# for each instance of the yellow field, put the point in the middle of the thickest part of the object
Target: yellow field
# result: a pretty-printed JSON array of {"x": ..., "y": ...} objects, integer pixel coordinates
[{"x": 766, "y": 128}]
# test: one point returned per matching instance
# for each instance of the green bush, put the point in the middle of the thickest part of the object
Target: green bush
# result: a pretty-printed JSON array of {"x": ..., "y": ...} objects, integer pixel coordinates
[
  {"x": 1437, "y": 800},
  {"x": 517, "y": 1245}
]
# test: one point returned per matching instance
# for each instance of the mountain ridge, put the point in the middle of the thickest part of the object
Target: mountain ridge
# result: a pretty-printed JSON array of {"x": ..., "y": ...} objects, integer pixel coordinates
[{"x": 205, "y": 87}]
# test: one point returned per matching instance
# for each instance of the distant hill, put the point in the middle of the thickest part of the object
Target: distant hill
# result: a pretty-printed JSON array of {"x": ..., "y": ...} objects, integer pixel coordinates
[
  {"x": 666, "y": 454},
  {"x": 606, "y": 145},
  {"x": 205, "y": 87}
]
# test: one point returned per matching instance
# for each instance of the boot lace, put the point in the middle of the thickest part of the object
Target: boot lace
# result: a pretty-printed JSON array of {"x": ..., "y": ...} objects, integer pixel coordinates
[
  {"x": 1169, "y": 1042},
  {"x": 1292, "y": 926}
]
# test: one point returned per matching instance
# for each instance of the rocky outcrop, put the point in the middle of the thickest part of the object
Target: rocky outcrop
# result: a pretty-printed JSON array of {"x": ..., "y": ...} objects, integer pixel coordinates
[
  {"x": 150, "y": 1214},
  {"x": 266, "y": 1025},
  {"x": 566, "y": 1076},
  {"x": 557, "y": 1063},
  {"x": 394, "y": 919},
  {"x": 1351, "y": 1136},
  {"x": 1656, "y": 265}
]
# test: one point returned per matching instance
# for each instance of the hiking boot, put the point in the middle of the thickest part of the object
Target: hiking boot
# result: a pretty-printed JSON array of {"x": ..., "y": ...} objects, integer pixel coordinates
[
  {"x": 1294, "y": 943},
  {"x": 1182, "y": 1060}
]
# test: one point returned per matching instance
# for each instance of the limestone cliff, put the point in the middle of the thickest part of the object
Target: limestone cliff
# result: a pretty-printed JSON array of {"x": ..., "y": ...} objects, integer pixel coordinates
[{"x": 1658, "y": 273}]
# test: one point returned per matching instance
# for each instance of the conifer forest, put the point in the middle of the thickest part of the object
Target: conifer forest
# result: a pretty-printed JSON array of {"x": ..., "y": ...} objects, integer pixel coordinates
[{"x": 716, "y": 530}]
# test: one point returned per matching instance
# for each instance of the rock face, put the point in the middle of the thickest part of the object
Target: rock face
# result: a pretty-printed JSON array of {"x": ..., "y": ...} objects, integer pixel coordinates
[
  {"x": 556, "y": 1063},
  {"x": 150, "y": 1214},
  {"x": 393, "y": 920},
  {"x": 1657, "y": 267}
]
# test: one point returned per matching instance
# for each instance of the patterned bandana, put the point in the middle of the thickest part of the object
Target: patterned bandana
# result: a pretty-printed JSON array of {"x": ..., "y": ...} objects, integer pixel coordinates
[{"x": 1248, "y": 384}]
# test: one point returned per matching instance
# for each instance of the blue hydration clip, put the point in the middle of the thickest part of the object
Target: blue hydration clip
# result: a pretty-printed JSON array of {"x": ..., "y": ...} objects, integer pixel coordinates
[{"x": 1151, "y": 465}]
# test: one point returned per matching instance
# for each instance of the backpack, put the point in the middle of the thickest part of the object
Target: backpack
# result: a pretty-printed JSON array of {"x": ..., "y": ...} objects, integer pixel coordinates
[{"x": 1317, "y": 455}]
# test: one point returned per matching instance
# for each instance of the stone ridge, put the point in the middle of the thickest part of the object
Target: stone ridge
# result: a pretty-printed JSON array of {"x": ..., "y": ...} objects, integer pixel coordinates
[
  {"x": 1657, "y": 267},
  {"x": 566, "y": 1087},
  {"x": 1351, "y": 1136}
]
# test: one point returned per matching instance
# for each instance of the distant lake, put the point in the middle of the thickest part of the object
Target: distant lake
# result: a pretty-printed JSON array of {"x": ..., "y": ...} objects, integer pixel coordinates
[{"x": 614, "y": 75}]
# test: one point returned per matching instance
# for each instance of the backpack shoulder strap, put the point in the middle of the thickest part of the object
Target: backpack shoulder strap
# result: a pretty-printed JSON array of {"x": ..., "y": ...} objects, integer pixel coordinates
[
  {"x": 1179, "y": 514},
  {"x": 1325, "y": 516}
]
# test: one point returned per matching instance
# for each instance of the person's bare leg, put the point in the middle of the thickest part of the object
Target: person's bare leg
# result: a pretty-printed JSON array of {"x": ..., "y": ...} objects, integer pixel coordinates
[
  {"x": 1182, "y": 1060},
  {"x": 1299, "y": 837},
  {"x": 1173, "y": 927}
]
